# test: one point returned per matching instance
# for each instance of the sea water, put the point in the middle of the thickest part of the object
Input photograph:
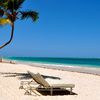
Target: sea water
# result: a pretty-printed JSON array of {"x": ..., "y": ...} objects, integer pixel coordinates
[{"x": 83, "y": 62}]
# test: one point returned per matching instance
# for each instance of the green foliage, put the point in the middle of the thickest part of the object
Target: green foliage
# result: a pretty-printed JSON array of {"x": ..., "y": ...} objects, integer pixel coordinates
[
  {"x": 11, "y": 10},
  {"x": 1, "y": 13},
  {"x": 14, "y": 4},
  {"x": 29, "y": 14}
]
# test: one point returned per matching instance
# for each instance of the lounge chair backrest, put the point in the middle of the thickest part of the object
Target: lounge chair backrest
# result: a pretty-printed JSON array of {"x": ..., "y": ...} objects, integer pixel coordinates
[
  {"x": 42, "y": 81},
  {"x": 39, "y": 79},
  {"x": 33, "y": 76}
]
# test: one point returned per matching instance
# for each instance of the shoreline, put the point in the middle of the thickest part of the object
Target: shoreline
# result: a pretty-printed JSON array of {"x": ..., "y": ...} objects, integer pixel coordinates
[
  {"x": 71, "y": 68},
  {"x": 79, "y": 69}
]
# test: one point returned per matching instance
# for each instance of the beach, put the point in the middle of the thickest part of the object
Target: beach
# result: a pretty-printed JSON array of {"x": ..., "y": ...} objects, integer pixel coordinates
[{"x": 87, "y": 86}]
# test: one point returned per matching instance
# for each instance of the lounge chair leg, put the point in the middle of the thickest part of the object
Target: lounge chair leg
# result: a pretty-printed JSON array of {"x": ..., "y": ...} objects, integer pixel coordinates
[
  {"x": 70, "y": 90},
  {"x": 51, "y": 91},
  {"x": 27, "y": 93},
  {"x": 35, "y": 91},
  {"x": 21, "y": 87}
]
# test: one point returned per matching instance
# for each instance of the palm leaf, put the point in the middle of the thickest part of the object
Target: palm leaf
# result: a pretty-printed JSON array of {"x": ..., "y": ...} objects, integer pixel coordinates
[
  {"x": 18, "y": 3},
  {"x": 3, "y": 3},
  {"x": 1, "y": 12},
  {"x": 29, "y": 14},
  {"x": 4, "y": 21},
  {"x": 14, "y": 4},
  {"x": 11, "y": 4}
]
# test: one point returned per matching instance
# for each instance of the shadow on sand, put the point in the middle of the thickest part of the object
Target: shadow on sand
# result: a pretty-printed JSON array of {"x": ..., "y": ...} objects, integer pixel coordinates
[
  {"x": 22, "y": 76},
  {"x": 57, "y": 92},
  {"x": 26, "y": 76}
]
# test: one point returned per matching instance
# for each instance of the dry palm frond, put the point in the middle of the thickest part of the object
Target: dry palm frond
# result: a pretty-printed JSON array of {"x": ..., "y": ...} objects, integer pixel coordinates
[{"x": 4, "y": 21}]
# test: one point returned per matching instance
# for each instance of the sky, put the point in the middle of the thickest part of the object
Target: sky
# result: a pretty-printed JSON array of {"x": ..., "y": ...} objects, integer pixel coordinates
[{"x": 65, "y": 28}]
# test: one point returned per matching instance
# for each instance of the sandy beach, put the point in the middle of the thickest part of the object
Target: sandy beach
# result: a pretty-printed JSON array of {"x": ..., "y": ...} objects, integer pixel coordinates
[
  {"x": 87, "y": 86},
  {"x": 54, "y": 55}
]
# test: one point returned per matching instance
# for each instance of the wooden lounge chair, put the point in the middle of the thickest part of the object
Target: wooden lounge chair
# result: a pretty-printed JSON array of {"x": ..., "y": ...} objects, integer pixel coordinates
[{"x": 43, "y": 84}]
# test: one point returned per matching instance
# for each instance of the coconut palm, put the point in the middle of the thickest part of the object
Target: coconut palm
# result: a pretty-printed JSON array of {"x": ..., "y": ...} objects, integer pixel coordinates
[{"x": 10, "y": 12}]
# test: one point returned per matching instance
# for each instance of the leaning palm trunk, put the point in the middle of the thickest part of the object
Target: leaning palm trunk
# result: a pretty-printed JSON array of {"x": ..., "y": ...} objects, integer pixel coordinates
[
  {"x": 11, "y": 37},
  {"x": 10, "y": 12}
]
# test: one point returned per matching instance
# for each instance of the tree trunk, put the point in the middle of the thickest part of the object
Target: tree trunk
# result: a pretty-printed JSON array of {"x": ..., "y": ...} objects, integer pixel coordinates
[{"x": 11, "y": 37}]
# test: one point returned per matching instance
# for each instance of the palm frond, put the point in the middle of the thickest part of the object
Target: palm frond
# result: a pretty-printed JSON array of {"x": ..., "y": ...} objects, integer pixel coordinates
[
  {"x": 15, "y": 4},
  {"x": 18, "y": 3},
  {"x": 4, "y": 2},
  {"x": 1, "y": 12},
  {"x": 11, "y": 4},
  {"x": 4, "y": 21},
  {"x": 29, "y": 14}
]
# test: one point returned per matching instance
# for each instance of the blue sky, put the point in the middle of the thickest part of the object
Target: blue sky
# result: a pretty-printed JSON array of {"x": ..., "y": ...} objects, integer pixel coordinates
[{"x": 66, "y": 28}]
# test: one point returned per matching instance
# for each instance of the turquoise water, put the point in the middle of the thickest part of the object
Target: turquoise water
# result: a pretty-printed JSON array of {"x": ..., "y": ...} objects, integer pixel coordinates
[{"x": 85, "y": 62}]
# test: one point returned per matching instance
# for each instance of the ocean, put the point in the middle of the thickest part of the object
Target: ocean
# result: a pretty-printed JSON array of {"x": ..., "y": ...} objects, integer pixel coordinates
[{"x": 83, "y": 62}]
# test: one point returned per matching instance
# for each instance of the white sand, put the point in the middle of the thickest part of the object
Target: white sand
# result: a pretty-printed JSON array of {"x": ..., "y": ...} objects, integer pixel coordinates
[{"x": 87, "y": 86}]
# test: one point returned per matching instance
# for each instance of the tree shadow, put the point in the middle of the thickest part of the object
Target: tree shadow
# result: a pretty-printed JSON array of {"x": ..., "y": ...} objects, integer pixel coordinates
[
  {"x": 23, "y": 76},
  {"x": 26, "y": 76}
]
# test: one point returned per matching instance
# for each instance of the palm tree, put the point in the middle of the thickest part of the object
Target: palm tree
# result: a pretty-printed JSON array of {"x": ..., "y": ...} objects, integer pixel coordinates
[{"x": 10, "y": 12}]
